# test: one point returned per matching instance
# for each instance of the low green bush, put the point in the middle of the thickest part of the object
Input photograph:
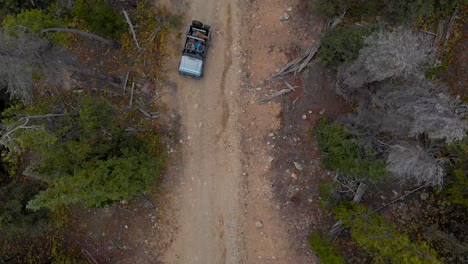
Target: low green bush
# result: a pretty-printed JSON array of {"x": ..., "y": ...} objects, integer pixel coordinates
[
  {"x": 409, "y": 11},
  {"x": 329, "y": 197},
  {"x": 84, "y": 156},
  {"x": 15, "y": 219},
  {"x": 34, "y": 21},
  {"x": 432, "y": 72},
  {"x": 404, "y": 11},
  {"x": 382, "y": 237},
  {"x": 175, "y": 21},
  {"x": 342, "y": 44},
  {"x": 330, "y": 8},
  {"x": 325, "y": 249},
  {"x": 12, "y": 7},
  {"x": 456, "y": 188},
  {"x": 99, "y": 17},
  {"x": 392, "y": 11},
  {"x": 346, "y": 153}
]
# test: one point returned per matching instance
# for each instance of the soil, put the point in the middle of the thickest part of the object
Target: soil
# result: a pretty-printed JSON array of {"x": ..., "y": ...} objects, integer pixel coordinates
[
  {"x": 234, "y": 187},
  {"x": 242, "y": 180}
]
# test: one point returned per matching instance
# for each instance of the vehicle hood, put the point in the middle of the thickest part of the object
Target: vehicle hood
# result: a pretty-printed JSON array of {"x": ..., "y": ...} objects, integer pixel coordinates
[{"x": 191, "y": 66}]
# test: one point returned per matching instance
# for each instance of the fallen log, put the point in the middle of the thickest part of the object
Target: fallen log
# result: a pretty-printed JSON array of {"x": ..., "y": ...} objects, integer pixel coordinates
[
  {"x": 125, "y": 82},
  {"x": 440, "y": 32},
  {"x": 82, "y": 33},
  {"x": 360, "y": 192},
  {"x": 335, "y": 229},
  {"x": 135, "y": 129},
  {"x": 131, "y": 96},
  {"x": 450, "y": 27},
  {"x": 131, "y": 29},
  {"x": 428, "y": 32},
  {"x": 151, "y": 115},
  {"x": 273, "y": 96},
  {"x": 151, "y": 38},
  {"x": 302, "y": 61}
]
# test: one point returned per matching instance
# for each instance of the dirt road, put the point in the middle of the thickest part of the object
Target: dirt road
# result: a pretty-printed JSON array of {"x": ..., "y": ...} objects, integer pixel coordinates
[{"x": 210, "y": 191}]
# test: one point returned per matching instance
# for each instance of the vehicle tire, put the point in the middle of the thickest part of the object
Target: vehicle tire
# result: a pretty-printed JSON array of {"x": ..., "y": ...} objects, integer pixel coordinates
[
  {"x": 206, "y": 27},
  {"x": 197, "y": 24}
]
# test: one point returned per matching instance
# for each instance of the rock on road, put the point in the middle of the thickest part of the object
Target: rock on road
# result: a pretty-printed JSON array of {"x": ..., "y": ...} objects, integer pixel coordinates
[{"x": 210, "y": 194}]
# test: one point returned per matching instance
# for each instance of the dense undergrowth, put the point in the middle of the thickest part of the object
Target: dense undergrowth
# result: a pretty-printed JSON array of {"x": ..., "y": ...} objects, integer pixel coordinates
[
  {"x": 68, "y": 148},
  {"x": 424, "y": 221}
]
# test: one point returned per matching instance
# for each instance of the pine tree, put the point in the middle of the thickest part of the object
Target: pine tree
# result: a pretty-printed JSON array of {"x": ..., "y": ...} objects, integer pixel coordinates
[{"x": 82, "y": 155}]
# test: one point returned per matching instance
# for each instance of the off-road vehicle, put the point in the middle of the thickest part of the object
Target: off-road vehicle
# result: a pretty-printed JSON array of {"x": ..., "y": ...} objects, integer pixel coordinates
[{"x": 196, "y": 46}]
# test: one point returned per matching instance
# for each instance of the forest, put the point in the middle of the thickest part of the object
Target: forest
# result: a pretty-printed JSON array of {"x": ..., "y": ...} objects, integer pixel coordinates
[
  {"x": 82, "y": 126},
  {"x": 397, "y": 66},
  {"x": 80, "y": 117}
]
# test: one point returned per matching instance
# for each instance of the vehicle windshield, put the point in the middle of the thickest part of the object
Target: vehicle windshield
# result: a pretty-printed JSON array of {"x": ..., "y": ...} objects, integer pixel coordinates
[{"x": 193, "y": 55}]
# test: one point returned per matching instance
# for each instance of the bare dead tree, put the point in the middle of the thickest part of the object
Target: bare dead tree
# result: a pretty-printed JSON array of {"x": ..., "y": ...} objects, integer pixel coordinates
[
  {"x": 364, "y": 122},
  {"x": 409, "y": 110},
  {"x": 26, "y": 55},
  {"x": 414, "y": 109},
  {"x": 388, "y": 54},
  {"x": 413, "y": 163},
  {"x": 438, "y": 118}
]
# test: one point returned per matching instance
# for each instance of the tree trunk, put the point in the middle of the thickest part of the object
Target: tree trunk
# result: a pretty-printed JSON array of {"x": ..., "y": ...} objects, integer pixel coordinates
[
  {"x": 84, "y": 34},
  {"x": 131, "y": 29},
  {"x": 302, "y": 61},
  {"x": 360, "y": 192}
]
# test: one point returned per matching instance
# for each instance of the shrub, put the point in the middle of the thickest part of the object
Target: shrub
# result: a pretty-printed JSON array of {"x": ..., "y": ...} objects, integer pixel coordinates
[
  {"x": 361, "y": 11},
  {"x": 393, "y": 11},
  {"x": 175, "y": 21},
  {"x": 15, "y": 6},
  {"x": 325, "y": 249},
  {"x": 381, "y": 237},
  {"x": 84, "y": 157},
  {"x": 35, "y": 20},
  {"x": 329, "y": 197},
  {"x": 457, "y": 182},
  {"x": 330, "y": 8},
  {"x": 342, "y": 45},
  {"x": 432, "y": 72},
  {"x": 408, "y": 11},
  {"x": 345, "y": 153},
  {"x": 415, "y": 164},
  {"x": 99, "y": 17},
  {"x": 15, "y": 219}
]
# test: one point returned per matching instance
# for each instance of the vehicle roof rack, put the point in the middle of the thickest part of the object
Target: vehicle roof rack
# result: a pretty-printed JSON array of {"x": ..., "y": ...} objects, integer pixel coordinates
[
  {"x": 196, "y": 38},
  {"x": 199, "y": 30}
]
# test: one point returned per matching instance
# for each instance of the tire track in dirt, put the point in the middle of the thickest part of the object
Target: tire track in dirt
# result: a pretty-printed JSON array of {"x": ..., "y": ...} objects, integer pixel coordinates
[
  {"x": 227, "y": 65},
  {"x": 209, "y": 192}
]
